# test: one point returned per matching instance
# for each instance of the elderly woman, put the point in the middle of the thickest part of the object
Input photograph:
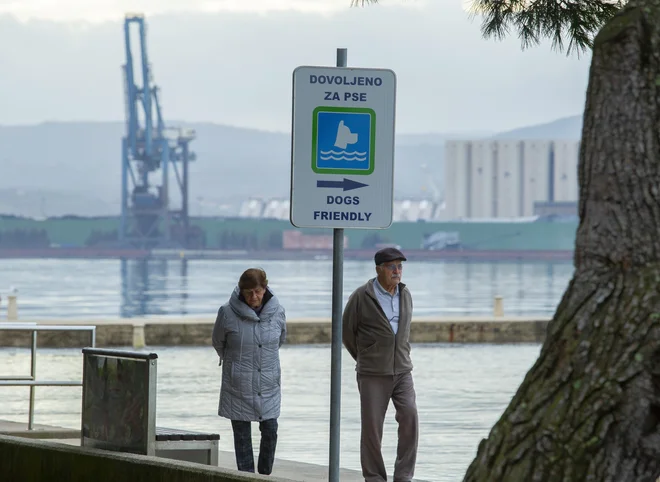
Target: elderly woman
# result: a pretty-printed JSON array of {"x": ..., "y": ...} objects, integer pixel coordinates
[{"x": 248, "y": 333}]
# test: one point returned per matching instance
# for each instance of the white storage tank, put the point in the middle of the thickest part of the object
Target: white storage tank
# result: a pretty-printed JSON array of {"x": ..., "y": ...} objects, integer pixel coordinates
[
  {"x": 457, "y": 188},
  {"x": 509, "y": 184},
  {"x": 276, "y": 209},
  {"x": 425, "y": 210},
  {"x": 535, "y": 174},
  {"x": 566, "y": 158},
  {"x": 396, "y": 211},
  {"x": 482, "y": 180},
  {"x": 252, "y": 208},
  {"x": 406, "y": 206}
]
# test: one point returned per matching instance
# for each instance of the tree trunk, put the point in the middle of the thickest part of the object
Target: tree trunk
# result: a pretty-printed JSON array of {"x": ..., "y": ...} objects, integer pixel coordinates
[{"x": 589, "y": 408}]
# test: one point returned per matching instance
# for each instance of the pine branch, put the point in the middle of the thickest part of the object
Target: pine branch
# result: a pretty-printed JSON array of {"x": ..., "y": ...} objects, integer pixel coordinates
[
  {"x": 561, "y": 21},
  {"x": 575, "y": 21}
]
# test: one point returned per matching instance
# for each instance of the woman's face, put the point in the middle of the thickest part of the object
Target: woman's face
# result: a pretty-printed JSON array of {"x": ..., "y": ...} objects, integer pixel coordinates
[{"x": 254, "y": 296}]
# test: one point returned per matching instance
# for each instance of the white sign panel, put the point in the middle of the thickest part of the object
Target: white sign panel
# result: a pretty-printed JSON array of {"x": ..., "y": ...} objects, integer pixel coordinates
[{"x": 342, "y": 159}]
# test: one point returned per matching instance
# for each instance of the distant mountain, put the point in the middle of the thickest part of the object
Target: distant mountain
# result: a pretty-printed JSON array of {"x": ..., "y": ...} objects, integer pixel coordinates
[
  {"x": 565, "y": 128},
  {"x": 54, "y": 169},
  {"x": 434, "y": 138},
  {"x": 41, "y": 203}
]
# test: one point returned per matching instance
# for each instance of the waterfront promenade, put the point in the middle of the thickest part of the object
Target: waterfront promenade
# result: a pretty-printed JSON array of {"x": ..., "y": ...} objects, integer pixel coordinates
[
  {"x": 462, "y": 390},
  {"x": 174, "y": 331},
  {"x": 196, "y": 330},
  {"x": 284, "y": 470}
]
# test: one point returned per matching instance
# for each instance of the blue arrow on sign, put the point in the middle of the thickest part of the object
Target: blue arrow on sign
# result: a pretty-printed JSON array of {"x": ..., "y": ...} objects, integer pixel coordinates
[{"x": 346, "y": 184}]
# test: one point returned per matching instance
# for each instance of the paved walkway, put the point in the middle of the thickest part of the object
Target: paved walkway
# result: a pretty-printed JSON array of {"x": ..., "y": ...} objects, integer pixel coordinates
[
  {"x": 46, "y": 432},
  {"x": 286, "y": 469}
]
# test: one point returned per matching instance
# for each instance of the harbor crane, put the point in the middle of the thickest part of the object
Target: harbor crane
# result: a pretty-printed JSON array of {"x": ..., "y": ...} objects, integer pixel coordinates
[{"x": 149, "y": 151}]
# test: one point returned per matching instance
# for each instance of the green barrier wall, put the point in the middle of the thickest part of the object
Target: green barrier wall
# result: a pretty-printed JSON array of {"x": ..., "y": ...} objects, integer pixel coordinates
[{"x": 260, "y": 234}]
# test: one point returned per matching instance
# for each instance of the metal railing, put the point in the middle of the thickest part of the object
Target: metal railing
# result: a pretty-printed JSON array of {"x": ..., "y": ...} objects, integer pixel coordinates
[{"x": 31, "y": 381}]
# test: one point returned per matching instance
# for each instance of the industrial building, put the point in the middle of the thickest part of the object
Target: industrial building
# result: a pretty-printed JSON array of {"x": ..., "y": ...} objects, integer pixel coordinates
[{"x": 497, "y": 179}]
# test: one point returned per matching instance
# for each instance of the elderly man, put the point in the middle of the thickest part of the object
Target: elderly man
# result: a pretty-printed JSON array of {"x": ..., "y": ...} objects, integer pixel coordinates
[{"x": 376, "y": 329}]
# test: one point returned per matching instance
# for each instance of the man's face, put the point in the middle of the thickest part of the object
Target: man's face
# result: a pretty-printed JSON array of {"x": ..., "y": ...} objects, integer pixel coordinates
[
  {"x": 389, "y": 274},
  {"x": 254, "y": 296}
]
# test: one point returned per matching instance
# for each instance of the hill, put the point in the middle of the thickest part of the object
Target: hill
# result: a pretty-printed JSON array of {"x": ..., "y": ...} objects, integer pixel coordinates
[
  {"x": 54, "y": 169},
  {"x": 75, "y": 168},
  {"x": 565, "y": 128}
]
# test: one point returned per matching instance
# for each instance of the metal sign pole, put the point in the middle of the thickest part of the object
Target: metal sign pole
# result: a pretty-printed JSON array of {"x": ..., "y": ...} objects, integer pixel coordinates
[
  {"x": 337, "y": 298},
  {"x": 341, "y": 117}
]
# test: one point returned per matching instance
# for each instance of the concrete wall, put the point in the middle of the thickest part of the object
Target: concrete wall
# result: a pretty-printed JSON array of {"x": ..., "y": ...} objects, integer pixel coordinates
[
  {"x": 479, "y": 332},
  {"x": 28, "y": 460},
  {"x": 470, "y": 330}
]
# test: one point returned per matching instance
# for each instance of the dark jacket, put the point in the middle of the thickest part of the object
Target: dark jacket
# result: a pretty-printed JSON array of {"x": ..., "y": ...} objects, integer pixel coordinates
[{"x": 368, "y": 335}]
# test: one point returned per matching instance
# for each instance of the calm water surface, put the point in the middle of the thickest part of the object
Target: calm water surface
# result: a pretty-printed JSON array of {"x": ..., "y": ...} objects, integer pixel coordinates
[
  {"x": 461, "y": 392},
  {"x": 109, "y": 288}
]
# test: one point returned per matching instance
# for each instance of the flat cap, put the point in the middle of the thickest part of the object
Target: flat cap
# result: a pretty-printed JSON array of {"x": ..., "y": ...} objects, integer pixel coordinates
[{"x": 388, "y": 254}]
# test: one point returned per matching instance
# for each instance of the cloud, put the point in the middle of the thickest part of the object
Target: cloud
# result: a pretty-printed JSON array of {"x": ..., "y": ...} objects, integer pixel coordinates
[
  {"x": 95, "y": 11},
  {"x": 235, "y": 67}
]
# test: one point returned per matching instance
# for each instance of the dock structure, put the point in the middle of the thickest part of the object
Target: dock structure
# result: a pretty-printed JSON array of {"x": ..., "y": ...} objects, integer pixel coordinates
[{"x": 197, "y": 330}]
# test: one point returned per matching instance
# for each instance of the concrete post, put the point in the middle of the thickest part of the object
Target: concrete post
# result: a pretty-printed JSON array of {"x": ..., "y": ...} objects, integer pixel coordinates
[
  {"x": 138, "y": 336},
  {"x": 498, "y": 306},
  {"x": 12, "y": 308}
]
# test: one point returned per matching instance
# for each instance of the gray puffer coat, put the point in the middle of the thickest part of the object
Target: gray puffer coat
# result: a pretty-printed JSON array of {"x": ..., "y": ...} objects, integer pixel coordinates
[{"x": 248, "y": 346}]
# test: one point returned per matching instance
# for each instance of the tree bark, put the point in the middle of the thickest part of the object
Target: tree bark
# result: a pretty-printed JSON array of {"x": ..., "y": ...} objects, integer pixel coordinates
[{"x": 589, "y": 408}]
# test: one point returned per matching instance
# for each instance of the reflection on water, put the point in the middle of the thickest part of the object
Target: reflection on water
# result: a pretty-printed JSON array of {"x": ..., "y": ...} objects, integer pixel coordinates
[
  {"x": 111, "y": 288},
  {"x": 144, "y": 287}
]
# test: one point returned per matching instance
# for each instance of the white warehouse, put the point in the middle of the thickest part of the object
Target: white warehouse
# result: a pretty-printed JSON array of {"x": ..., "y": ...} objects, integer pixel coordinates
[{"x": 505, "y": 178}]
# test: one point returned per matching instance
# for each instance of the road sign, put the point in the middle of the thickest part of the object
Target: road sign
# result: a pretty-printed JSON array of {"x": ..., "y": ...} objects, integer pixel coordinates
[{"x": 342, "y": 155}]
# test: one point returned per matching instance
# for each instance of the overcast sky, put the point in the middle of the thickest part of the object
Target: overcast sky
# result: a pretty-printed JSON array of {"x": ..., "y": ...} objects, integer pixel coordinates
[{"x": 231, "y": 61}]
